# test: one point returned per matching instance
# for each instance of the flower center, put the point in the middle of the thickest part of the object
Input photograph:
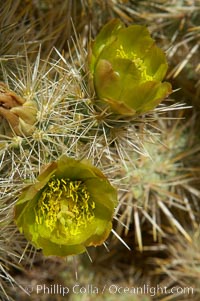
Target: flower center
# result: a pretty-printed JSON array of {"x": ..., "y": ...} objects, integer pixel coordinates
[
  {"x": 65, "y": 203},
  {"x": 139, "y": 63}
]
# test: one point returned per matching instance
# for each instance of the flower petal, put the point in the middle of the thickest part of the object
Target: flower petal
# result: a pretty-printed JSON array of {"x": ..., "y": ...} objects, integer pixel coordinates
[
  {"x": 71, "y": 207},
  {"x": 127, "y": 69}
]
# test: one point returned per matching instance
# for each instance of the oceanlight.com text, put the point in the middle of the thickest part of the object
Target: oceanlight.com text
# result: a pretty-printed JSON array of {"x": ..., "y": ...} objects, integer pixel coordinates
[{"x": 113, "y": 289}]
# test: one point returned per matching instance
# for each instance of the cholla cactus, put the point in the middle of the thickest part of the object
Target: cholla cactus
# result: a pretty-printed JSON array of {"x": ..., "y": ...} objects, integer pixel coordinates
[
  {"x": 182, "y": 266},
  {"x": 65, "y": 121},
  {"x": 63, "y": 106},
  {"x": 160, "y": 182}
]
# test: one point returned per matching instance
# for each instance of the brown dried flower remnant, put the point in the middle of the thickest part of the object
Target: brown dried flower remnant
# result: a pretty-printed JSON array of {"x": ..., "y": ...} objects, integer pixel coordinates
[{"x": 17, "y": 116}]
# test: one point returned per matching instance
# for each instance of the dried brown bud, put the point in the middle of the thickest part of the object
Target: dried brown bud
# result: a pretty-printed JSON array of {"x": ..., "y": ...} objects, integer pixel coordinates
[{"x": 17, "y": 116}]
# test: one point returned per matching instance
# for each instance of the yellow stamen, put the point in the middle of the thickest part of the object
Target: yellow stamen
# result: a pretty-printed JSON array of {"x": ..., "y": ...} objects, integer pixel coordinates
[
  {"x": 139, "y": 63},
  {"x": 67, "y": 203}
]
